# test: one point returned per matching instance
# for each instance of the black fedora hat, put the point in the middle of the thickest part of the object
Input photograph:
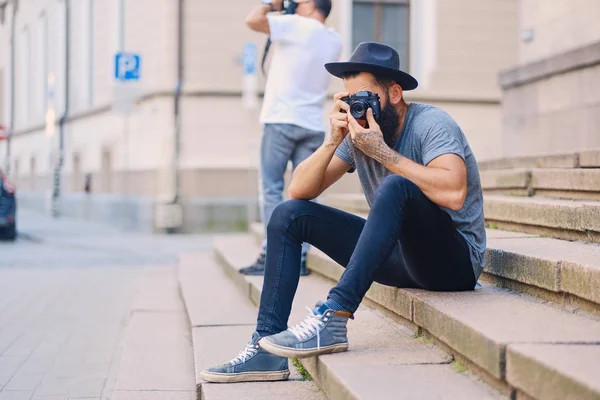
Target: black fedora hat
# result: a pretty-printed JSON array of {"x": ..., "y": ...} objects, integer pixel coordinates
[{"x": 378, "y": 59}]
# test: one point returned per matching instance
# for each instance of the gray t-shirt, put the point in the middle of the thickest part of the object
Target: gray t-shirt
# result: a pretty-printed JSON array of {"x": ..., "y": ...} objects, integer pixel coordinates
[{"x": 430, "y": 132}]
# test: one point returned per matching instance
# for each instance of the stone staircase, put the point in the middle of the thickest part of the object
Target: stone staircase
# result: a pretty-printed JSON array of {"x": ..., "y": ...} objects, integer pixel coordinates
[{"x": 532, "y": 331}]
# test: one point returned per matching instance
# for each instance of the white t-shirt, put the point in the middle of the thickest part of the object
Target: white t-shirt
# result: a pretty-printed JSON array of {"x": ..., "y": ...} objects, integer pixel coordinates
[{"x": 297, "y": 79}]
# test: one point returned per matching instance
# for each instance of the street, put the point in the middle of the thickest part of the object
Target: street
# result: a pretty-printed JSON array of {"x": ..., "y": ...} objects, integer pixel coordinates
[{"x": 88, "y": 311}]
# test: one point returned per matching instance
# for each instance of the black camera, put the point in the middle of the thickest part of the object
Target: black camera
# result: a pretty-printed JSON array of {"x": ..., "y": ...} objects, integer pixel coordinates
[
  {"x": 359, "y": 104},
  {"x": 289, "y": 7}
]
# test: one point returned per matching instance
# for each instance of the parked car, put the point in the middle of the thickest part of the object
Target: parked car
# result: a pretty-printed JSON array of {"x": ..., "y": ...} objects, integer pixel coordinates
[{"x": 8, "y": 209}]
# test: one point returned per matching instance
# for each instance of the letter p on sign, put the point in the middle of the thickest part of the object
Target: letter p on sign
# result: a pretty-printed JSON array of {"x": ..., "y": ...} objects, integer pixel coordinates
[{"x": 127, "y": 66}]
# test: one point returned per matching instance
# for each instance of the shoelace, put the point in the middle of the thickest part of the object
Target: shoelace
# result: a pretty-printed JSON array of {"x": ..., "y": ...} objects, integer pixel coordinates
[
  {"x": 249, "y": 351},
  {"x": 308, "y": 327}
]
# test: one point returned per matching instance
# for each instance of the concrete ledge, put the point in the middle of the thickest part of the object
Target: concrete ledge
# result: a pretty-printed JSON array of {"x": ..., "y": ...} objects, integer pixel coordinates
[
  {"x": 582, "y": 57},
  {"x": 129, "y": 212},
  {"x": 587, "y": 180},
  {"x": 559, "y": 214},
  {"x": 556, "y": 265},
  {"x": 555, "y": 372},
  {"x": 562, "y": 194},
  {"x": 566, "y": 160},
  {"x": 590, "y": 159},
  {"x": 505, "y": 179},
  {"x": 522, "y": 267},
  {"x": 582, "y": 280},
  {"x": 137, "y": 212}
]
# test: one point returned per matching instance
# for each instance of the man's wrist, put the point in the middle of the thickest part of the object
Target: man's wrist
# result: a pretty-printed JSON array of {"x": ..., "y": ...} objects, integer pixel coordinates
[{"x": 330, "y": 143}]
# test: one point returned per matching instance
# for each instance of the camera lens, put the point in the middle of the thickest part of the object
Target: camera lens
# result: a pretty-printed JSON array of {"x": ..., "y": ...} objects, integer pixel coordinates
[{"x": 358, "y": 109}]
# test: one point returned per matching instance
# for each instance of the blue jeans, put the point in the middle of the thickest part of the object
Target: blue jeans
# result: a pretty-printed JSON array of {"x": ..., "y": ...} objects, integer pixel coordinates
[
  {"x": 282, "y": 143},
  {"x": 407, "y": 241}
]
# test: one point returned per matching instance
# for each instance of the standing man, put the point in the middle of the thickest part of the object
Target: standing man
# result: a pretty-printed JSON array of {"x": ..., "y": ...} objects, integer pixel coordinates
[{"x": 292, "y": 113}]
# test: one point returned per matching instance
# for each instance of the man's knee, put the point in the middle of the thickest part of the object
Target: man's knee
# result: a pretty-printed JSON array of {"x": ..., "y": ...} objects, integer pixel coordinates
[
  {"x": 284, "y": 212},
  {"x": 398, "y": 186}
]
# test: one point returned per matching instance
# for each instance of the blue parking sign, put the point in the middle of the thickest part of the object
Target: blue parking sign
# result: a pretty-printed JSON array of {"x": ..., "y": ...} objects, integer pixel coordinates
[{"x": 127, "y": 66}]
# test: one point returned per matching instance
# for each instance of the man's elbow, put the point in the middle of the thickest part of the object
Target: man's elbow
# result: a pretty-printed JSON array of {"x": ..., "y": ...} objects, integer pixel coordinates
[
  {"x": 295, "y": 194},
  {"x": 258, "y": 24},
  {"x": 292, "y": 194},
  {"x": 251, "y": 22},
  {"x": 457, "y": 199}
]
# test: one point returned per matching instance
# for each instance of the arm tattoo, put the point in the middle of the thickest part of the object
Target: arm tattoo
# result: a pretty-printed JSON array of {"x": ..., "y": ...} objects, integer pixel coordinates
[
  {"x": 331, "y": 143},
  {"x": 372, "y": 144}
]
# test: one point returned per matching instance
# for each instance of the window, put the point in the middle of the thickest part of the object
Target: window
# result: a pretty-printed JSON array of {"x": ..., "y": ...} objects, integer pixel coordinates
[{"x": 384, "y": 21}]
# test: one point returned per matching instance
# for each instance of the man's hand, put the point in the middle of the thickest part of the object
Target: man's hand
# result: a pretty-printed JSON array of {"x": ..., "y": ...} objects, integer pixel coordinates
[
  {"x": 338, "y": 120},
  {"x": 370, "y": 140}
]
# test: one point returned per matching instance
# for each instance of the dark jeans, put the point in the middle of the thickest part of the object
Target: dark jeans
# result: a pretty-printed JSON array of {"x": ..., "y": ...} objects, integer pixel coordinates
[{"x": 407, "y": 241}]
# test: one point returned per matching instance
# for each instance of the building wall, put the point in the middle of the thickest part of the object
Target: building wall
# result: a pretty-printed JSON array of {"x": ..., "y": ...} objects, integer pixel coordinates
[
  {"x": 556, "y": 26},
  {"x": 557, "y": 114},
  {"x": 134, "y": 143},
  {"x": 551, "y": 99}
]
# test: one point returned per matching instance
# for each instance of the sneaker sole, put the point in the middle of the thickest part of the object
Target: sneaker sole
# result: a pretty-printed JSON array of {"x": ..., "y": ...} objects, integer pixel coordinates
[
  {"x": 302, "y": 353},
  {"x": 216, "y": 377}
]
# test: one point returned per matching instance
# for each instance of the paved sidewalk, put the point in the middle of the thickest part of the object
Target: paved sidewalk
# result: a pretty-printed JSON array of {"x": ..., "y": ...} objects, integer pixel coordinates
[{"x": 86, "y": 309}]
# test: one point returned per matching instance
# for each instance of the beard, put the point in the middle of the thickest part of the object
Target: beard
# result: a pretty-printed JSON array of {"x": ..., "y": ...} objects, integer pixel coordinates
[{"x": 389, "y": 122}]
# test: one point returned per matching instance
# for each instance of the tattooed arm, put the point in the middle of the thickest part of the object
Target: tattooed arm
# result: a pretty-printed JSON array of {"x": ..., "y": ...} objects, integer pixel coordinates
[
  {"x": 323, "y": 168},
  {"x": 443, "y": 180}
]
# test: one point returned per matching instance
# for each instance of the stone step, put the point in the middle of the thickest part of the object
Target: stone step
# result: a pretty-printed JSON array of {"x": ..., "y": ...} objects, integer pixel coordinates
[
  {"x": 157, "y": 329},
  {"x": 384, "y": 357},
  {"x": 584, "y": 159},
  {"x": 565, "y": 160},
  {"x": 579, "y": 184},
  {"x": 566, "y": 273},
  {"x": 504, "y": 179},
  {"x": 573, "y": 369},
  {"x": 563, "y": 219},
  {"x": 222, "y": 320},
  {"x": 480, "y": 325},
  {"x": 354, "y": 203}
]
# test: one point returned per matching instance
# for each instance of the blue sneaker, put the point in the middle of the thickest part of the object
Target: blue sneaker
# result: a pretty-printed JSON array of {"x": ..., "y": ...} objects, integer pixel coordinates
[
  {"x": 323, "y": 331},
  {"x": 253, "y": 364}
]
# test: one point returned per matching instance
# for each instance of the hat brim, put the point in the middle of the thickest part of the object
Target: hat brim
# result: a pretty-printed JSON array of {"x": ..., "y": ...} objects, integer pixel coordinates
[{"x": 339, "y": 69}]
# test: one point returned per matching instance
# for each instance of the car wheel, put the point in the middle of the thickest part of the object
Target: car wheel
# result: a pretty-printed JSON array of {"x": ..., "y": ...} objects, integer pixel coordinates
[{"x": 11, "y": 232}]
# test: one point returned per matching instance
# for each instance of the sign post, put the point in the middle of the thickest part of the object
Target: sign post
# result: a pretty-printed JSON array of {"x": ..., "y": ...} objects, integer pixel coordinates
[
  {"x": 127, "y": 77},
  {"x": 250, "y": 83}
]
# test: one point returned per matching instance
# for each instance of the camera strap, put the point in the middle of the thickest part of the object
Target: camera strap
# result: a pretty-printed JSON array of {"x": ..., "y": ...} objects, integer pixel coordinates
[{"x": 264, "y": 57}]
